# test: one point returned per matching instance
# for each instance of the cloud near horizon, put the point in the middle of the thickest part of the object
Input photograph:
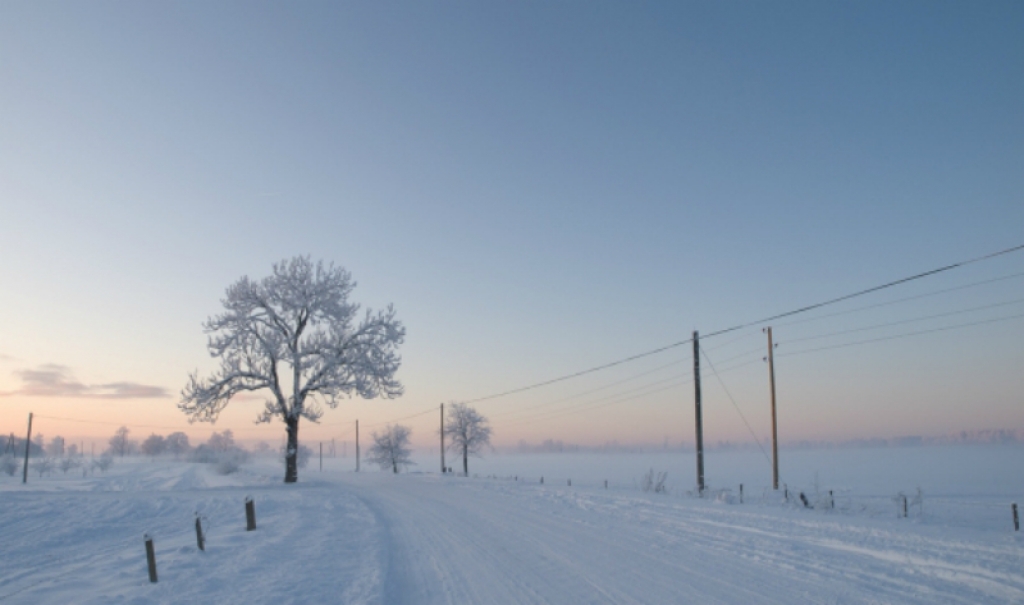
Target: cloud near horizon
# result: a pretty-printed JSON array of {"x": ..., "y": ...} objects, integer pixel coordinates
[{"x": 53, "y": 380}]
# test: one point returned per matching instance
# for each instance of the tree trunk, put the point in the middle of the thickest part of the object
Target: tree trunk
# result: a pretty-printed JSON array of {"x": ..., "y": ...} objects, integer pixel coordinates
[
  {"x": 465, "y": 460},
  {"x": 291, "y": 466}
]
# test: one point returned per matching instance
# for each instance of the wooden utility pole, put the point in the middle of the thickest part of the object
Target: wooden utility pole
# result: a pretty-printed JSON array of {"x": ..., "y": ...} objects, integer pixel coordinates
[
  {"x": 697, "y": 411},
  {"x": 775, "y": 425},
  {"x": 28, "y": 441},
  {"x": 442, "y": 439},
  {"x": 357, "y": 446}
]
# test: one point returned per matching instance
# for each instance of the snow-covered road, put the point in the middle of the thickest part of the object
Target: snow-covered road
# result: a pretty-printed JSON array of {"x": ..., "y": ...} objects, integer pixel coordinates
[
  {"x": 477, "y": 541},
  {"x": 342, "y": 537}
]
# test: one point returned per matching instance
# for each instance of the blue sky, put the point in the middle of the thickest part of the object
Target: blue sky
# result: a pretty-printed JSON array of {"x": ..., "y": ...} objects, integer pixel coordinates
[{"x": 537, "y": 187}]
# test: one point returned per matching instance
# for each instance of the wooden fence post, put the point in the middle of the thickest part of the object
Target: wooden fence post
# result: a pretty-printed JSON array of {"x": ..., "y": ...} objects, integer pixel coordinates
[
  {"x": 200, "y": 540},
  {"x": 1016, "y": 519},
  {"x": 250, "y": 514},
  {"x": 150, "y": 557}
]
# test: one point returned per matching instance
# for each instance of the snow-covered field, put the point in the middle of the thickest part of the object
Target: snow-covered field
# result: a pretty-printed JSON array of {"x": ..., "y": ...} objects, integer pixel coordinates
[{"x": 342, "y": 537}]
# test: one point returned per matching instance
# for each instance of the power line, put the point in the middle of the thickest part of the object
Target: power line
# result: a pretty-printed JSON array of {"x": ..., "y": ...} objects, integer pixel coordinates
[
  {"x": 428, "y": 411},
  {"x": 868, "y": 290},
  {"x": 613, "y": 395},
  {"x": 753, "y": 323},
  {"x": 905, "y": 321},
  {"x": 734, "y": 405},
  {"x": 590, "y": 405},
  {"x": 900, "y": 300},
  {"x": 905, "y": 335},
  {"x": 137, "y": 426},
  {"x": 583, "y": 372},
  {"x": 591, "y": 391}
]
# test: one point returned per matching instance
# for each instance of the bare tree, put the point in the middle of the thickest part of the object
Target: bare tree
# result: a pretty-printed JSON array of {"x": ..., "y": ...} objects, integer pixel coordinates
[
  {"x": 154, "y": 445},
  {"x": 119, "y": 442},
  {"x": 296, "y": 328},
  {"x": 466, "y": 431},
  {"x": 390, "y": 448},
  {"x": 177, "y": 443}
]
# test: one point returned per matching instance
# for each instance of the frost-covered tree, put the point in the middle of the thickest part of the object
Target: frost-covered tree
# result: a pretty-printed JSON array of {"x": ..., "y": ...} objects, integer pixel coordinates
[
  {"x": 154, "y": 445},
  {"x": 8, "y": 464},
  {"x": 466, "y": 432},
  {"x": 390, "y": 448},
  {"x": 296, "y": 336},
  {"x": 119, "y": 442},
  {"x": 177, "y": 443}
]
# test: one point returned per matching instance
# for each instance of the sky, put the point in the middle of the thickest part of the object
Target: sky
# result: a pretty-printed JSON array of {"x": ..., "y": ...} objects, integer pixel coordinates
[{"x": 538, "y": 188}]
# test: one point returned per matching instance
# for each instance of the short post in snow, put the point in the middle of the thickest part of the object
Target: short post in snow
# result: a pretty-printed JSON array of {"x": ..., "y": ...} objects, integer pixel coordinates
[
  {"x": 568, "y": 482},
  {"x": 542, "y": 479},
  {"x": 741, "y": 493},
  {"x": 250, "y": 514},
  {"x": 831, "y": 500},
  {"x": 1016, "y": 519},
  {"x": 150, "y": 557},
  {"x": 200, "y": 539},
  {"x": 28, "y": 442},
  {"x": 904, "y": 498},
  {"x": 606, "y": 484}
]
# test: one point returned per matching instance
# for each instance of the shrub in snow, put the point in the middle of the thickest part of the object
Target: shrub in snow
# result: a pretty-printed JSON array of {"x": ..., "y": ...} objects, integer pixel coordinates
[
  {"x": 230, "y": 461},
  {"x": 104, "y": 462},
  {"x": 9, "y": 465},
  {"x": 654, "y": 483},
  {"x": 220, "y": 451},
  {"x": 67, "y": 463},
  {"x": 43, "y": 466}
]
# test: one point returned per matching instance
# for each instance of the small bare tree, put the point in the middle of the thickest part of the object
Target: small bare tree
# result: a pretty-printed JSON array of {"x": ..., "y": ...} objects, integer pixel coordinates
[
  {"x": 466, "y": 432},
  {"x": 296, "y": 329},
  {"x": 390, "y": 448},
  {"x": 119, "y": 442}
]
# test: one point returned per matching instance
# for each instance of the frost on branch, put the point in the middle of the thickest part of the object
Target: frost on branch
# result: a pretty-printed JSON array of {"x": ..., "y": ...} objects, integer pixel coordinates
[{"x": 296, "y": 337}]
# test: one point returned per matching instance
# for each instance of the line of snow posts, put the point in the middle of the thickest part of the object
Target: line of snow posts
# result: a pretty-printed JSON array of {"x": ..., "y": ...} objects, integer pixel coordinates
[{"x": 250, "y": 524}]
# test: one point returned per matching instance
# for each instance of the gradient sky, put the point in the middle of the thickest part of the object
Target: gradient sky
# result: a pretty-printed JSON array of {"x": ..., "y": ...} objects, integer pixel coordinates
[{"x": 538, "y": 188}]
